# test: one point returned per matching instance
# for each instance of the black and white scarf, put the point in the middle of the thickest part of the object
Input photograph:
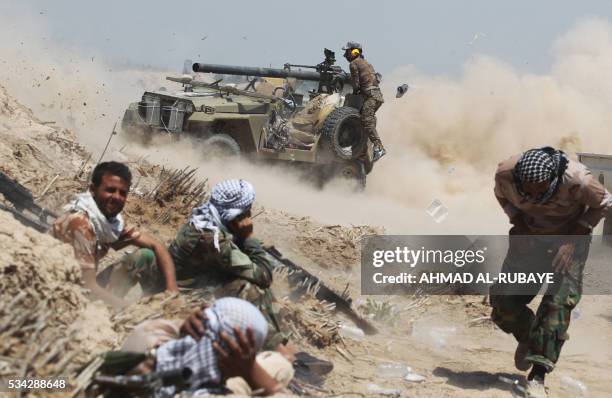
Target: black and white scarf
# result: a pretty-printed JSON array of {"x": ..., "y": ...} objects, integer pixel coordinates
[{"x": 539, "y": 165}]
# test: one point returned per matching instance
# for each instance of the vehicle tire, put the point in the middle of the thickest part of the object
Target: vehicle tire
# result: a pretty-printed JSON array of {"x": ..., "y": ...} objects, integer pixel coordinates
[
  {"x": 342, "y": 133},
  {"x": 220, "y": 146}
]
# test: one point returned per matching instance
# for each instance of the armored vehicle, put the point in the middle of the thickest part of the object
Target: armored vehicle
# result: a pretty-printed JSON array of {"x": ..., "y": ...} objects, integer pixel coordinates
[{"x": 301, "y": 114}]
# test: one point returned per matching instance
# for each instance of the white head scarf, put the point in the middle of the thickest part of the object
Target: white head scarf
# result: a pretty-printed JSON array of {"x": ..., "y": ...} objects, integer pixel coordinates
[
  {"x": 107, "y": 230},
  {"x": 200, "y": 357}
]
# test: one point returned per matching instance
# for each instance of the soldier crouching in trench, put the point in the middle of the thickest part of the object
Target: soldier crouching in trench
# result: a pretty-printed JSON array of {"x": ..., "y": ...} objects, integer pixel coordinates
[
  {"x": 220, "y": 345},
  {"x": 544, "y": 193},
  {"x": 216, "y": 250},
  {"x": 93, "y": 224}
]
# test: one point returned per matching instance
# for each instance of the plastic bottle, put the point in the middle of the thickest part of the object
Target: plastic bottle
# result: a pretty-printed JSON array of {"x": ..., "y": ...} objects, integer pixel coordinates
[
  {"x": 389, "y": 392},
  {"x": 574, "y": 387},
  {"x": 352, "y": 332},
  {"x": 576, "y": 313},
  {"x": 390, "y": 370},
  {"x": 414, "y": 377}
]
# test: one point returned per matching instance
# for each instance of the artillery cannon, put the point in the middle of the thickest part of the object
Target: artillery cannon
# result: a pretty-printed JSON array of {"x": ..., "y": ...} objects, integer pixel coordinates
[{"x": 331, "y": 77}]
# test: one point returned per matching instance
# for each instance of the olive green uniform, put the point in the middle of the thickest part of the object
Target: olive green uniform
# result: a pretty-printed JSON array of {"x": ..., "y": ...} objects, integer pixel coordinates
[
  {"x": 545, "y": 332},
  {"x": 365, "y": 82},
  {"x": 233, "y": 269}
]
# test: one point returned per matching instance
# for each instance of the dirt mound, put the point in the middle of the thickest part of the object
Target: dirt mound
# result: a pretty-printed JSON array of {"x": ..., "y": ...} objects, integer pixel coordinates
[
  {"x": 47, "y": 326},
  {"x": 44, "y": 158},
  {"x": 163, "y": 305},
  {"x": 12, "y": 109}
]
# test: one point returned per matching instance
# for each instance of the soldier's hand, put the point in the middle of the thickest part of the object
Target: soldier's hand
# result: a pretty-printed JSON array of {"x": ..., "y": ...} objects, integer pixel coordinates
[
  {"x": 563, "y": 259},
  {"x": 194, "y": 324},
  {"x": 237, "y": 358},
  {"x": 242, "y": 226},
  {"x": 129, "y": 235},
  {"x": 245, "y": 228}
]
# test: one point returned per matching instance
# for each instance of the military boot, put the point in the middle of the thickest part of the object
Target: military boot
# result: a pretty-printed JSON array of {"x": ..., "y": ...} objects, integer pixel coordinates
[
  {"x": 519, "y": 357},
  {"x": 536, "y": 388},
  {"x": 379, "y": 151}
]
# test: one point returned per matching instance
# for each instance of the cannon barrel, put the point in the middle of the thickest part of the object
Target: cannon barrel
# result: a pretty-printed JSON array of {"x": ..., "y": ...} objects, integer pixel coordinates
[{"x": 261, "y": 72}]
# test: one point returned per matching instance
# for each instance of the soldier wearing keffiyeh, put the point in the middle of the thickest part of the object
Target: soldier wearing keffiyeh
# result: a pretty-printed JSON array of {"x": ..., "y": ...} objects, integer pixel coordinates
[
  {"x": 544, "y": 193},
  {"x": 215, "y": 249},
  {"x": 224, "y": 356},
  {"x": 200, "y": 356}
]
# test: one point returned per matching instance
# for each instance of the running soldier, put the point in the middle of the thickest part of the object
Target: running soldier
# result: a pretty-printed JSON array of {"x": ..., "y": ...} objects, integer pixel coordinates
[
  {"x": 365, "y": 82},
  {"x": 544, "y": 193}
]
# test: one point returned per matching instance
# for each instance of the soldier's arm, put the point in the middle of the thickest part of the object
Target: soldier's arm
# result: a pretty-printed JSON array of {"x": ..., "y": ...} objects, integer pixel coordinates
[
  {"x": 133, "y": 237},
  {"x": 596, "y": 198},
  {"x": 78, "y": 233},
  {"x": 247, "y": 261},
  {"x": 514, "y": 214},
  {"x": 354, "y": 76}
]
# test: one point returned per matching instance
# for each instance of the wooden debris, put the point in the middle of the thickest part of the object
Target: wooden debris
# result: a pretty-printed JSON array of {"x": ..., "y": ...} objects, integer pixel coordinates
[{"x": 44, "y": 191}]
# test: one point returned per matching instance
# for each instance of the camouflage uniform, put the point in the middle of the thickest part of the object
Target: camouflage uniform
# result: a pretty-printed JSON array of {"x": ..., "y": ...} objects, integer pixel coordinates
[
  {"x": 75, "y": 229},
  {"x": 365, "y": 82},
  {"x": 239, "y": 270},
  {"x": 546, "y": 331},
  {"x": 580, "y": 199}
]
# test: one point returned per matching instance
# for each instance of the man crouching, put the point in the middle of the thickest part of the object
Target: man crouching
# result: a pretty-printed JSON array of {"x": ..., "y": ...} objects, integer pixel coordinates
[
  {"x": 553, "y": 204},
  {"x": 92, "y": 224},
  {"x": 219, "y": 345}
]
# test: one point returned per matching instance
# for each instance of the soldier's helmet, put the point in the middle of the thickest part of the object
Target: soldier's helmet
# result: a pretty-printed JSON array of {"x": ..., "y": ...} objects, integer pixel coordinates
[{"x": 350, "y": 45}]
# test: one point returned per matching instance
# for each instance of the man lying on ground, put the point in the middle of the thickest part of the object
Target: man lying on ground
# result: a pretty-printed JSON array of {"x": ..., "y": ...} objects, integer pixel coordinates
[
  {"x": 92, "y": 224},
  {"x": 205, "y": 344}
]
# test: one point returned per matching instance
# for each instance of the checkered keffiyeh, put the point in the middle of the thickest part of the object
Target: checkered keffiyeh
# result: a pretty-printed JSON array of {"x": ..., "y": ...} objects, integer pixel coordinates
[
  {"x": 232, "y": 198},
  {"x": 228, "y": 200},
  {"x": 537, "y": 165},
  {"x": 200, "y": 357}
]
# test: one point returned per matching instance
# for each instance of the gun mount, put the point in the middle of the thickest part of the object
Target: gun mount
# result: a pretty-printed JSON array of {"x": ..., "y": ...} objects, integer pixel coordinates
[{"x": 331, "y": 77}]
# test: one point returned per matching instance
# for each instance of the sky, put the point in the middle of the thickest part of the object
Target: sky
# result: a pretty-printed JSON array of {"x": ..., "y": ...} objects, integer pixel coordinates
[{"x": 436, "y": 37}]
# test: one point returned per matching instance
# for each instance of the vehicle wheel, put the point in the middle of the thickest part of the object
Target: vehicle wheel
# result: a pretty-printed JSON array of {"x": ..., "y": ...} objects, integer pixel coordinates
[
  {"x": 342, "y": 133},
  {"x": 221, "y": 146},
  {"x": 352, "y": 171}
]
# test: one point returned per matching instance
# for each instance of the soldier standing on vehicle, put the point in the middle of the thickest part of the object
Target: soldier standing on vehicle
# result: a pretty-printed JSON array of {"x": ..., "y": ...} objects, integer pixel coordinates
[
  {"x": 365, "y": 81},
  {"x": 545, "y": 194}
]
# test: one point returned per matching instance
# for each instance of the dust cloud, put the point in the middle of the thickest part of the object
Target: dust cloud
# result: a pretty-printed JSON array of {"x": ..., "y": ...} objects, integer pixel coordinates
[
  {"x": 444, "y": 137},
  {"x": 76, "y": 90}
]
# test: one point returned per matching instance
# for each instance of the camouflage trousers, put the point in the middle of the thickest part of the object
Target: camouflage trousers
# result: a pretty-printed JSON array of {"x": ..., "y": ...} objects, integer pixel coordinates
[
  {"x": 371, "y": 102},
  {"x": 138, "y": 267},
  {"x": 545, "y": 332},
  {"x": 266, "y": 302},
  {"x": 141, "y": 268}
]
